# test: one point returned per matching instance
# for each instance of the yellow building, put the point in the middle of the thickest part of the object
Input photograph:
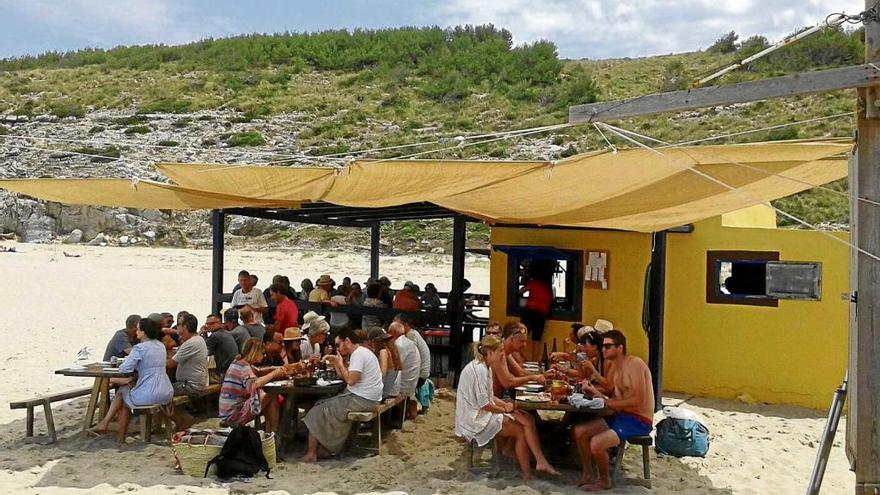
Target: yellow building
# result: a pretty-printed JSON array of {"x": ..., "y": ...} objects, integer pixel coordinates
[{"x": 722, "y": 339}]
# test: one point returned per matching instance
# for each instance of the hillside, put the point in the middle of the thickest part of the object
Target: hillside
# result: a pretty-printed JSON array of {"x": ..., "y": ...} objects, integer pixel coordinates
[{"x": 335, "y": 92}]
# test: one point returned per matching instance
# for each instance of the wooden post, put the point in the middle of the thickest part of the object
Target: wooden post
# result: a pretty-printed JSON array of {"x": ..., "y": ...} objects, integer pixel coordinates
[
  {"x": 656, "y": 305},
  {"x": 455, "y": 302},
  {"x": 867, "y": 362},
  {"x": 374, "y": 251},
  {"x": 218, "y": 218}
]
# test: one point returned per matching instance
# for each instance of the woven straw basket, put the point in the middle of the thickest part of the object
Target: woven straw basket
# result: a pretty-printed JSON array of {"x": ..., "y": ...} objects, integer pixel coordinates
[{"x": 192, "y": 457}]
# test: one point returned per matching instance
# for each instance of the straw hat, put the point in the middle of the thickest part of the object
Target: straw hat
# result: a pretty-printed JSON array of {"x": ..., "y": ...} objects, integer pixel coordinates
[
  {"x": 603, "y": 325},
  {"x": 324, "y": 280},
  {"x": 311, "y": 318},
  {"x": 292, "y": 333}
]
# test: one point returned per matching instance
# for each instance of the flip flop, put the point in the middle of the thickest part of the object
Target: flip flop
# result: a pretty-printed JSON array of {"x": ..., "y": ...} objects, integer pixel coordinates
[{"x": 94, "y": 434}]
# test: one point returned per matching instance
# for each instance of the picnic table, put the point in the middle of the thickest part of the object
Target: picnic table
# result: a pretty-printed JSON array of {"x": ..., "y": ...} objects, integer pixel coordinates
[
  {"x": 292, "y": 393},
  {"x": 100, "y": 396}
]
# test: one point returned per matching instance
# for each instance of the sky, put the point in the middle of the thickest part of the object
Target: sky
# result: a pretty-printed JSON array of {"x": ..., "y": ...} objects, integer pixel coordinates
[{"x": 593, "y": 29}]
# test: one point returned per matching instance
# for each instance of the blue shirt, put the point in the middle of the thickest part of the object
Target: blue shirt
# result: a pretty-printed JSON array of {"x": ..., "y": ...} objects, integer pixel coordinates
[{"x": 153, "y": 385}]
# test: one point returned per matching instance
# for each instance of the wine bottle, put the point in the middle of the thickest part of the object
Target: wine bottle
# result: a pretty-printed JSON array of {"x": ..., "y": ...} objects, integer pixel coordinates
[
  {"x": 553, "y": 350},
  {"x": 545, "y": 360}
]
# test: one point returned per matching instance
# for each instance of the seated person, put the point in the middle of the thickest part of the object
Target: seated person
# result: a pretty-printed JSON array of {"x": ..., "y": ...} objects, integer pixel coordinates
[
  {"x": 407, "y": 299},
  {"x": 254, "y": 328},
  {"x": 373, "y": 300},
  {"x": 493, "y": 328},
  {"x": 221, "y": 344},
  {"x": 153, "y": 386},
  {"x": 632, "y": 401},
  {"x": 482, "y": 417},
  {"x": 123, "y": 340},
  {"x": 242, "y": 396},
  {"x": 411, "y": 364},
  {"x": 274, "y": 352},
  {"x": 572, "y": 340},
  {"x": 291, "y": 351},
  {"x": 431, "y": 299},
  {"x": 509, "y": 373},
  {"x": 328, "y": 421},
  {"x": 382, "y": 344},
  {"x": 592, "y": 368},
  {"x": 286, "y": 314},
  {"x": 318, "y": 328},
  {"x": 190, "y": 362}
]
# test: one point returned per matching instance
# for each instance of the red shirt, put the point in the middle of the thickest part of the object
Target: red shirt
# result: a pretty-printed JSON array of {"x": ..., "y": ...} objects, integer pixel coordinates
[
  {"x": 540, "y": 297},
  {"x": 405, "y": 300},
  {"x": 286, "y": 315}
]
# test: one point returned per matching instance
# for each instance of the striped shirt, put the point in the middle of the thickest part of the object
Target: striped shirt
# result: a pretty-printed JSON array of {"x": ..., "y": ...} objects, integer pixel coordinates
[{"x": 238, "y": 386}]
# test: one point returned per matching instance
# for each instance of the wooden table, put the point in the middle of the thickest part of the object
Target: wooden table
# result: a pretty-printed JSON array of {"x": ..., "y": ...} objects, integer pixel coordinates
[
  {"x": 100, "y": 396},
  {"x": 292, "y": 393}
]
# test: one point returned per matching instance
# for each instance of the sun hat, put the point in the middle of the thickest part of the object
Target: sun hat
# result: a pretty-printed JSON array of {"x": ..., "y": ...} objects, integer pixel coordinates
[
  {"x": 292, "y": 333},
  {"x": 312, "y": 321},
  {"x": 603, "y": 325},
  {"x": 324, "y": 280},
  {"x": 376, "y": 334}
]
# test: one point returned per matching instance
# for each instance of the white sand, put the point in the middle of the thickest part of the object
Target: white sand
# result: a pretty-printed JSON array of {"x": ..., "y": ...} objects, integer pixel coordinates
[{"x": 56, "y": 305}]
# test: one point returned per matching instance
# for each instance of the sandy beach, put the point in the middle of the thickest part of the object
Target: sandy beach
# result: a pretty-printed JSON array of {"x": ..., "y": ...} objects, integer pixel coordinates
[{"x": 61, "y": 304}]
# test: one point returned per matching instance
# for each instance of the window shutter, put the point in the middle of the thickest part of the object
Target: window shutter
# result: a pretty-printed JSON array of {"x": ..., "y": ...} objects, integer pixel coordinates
[{"x": 794, "y": 280}]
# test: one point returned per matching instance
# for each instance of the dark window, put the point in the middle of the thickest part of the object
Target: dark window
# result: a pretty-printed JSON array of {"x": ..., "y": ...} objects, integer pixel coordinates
[
  {"x": 563, "y": 268},
  {"x": 759, "y": 278}
]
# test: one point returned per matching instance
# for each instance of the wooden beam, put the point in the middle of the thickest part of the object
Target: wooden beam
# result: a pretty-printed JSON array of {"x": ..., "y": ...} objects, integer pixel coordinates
[
  {"x": 374, "y": 251},
  {"x": 217, "y": 247},
  {"x": 858, "y": 76},
  {"x": 656, "y": 312}
]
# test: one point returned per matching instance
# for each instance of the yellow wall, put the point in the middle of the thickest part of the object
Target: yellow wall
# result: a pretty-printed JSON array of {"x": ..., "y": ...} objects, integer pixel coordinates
[
  {"x": 628, "y": 255},
  {"x": 793, "y": 354}
]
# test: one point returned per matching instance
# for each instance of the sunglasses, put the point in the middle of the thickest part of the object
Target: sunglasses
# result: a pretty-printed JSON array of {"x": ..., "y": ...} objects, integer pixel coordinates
[
  {"x": 609, "y": 346},
  {"x": 493, "y": 332}
]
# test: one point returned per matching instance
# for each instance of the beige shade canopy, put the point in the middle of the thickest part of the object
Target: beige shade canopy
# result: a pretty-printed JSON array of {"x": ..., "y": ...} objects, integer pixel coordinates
[{"x": 640, "y": 190}]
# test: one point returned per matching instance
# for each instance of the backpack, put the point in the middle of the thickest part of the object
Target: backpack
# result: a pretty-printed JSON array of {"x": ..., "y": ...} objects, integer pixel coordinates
[
  {"x": 241, "y": 455},
  {"x": 682, "y": 437}
]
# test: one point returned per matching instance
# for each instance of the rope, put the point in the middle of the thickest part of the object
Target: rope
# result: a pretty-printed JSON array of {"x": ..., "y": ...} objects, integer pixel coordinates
[
  {"x": 745, "y": 193},
  {"x": 762, "y": 129}
]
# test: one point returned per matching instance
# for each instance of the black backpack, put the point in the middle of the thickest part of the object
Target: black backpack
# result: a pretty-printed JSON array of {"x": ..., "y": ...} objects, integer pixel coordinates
[{"x": 241, "y": 455}]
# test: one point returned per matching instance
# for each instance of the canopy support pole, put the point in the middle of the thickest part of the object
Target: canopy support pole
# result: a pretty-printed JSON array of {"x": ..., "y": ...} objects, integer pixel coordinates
[
  {"x": 218, "y": 218},
  {"x": 656, "y": 305},
  {"x": 455, "y": 303},
  {"x": 374, "y": 251}
]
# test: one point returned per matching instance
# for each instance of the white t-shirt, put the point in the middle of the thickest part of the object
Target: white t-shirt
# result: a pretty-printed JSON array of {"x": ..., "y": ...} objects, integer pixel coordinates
[
  {"x": 424, "y": 352},
  {"x": 254, "y": 298},
  {"x": 411, "y": 362},
  {"x": 474, "y": 393},
  {"x": 370, "y": 385}
]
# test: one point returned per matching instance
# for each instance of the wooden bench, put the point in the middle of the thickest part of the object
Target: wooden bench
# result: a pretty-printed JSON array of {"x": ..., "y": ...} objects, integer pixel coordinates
[
  {"x": 472, "y": 448},
  {"x": 375, "y": 416},
  {"x": 46, "y": 401},
  {"x": 646, "y": 442},
  {"x": 165, "y": 413}
]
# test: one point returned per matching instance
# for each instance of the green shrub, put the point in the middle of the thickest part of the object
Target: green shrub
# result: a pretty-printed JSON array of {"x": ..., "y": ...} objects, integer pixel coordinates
[
  {"x": 130, "y": 120},
  {"x": 166, "y": 106},
  {"x": 99, "y": 155},
  {"x": 66, "y": 108},
  {"x": 96, "y": 129},
  {"x": 783, "y": 134},
  {"x": 168, "y": 143},
  {"x": 138, "y": 129},
  {"x": 181, "y": 123},
  {"x": 829, "y": 48},
  {"x": 4, "y": 130},
  {"x": 674, "y": 76},
  {"x": 249, "y": 138},
  {"x": 725, "y": 44}
]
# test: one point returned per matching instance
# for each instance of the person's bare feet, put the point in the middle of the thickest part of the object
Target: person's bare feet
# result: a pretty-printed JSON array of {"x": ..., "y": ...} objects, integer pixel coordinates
[
  {"x": 546, "y": 468},
  {"x": 96, "y": 432},
  {"x": 596, "y": 486},
  {"x": 309, "y": 458},
  {"x": 586, "y": 479}
]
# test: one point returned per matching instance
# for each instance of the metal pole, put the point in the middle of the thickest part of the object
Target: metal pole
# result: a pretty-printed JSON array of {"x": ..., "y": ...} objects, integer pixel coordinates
[
  {"x": 374, "y": 250},
  {"x": 827, "y": 440},
  {"x": 218, "y": 218},
  {"x": 455, "y": 302},
  {"x": 656, "y": 305}
]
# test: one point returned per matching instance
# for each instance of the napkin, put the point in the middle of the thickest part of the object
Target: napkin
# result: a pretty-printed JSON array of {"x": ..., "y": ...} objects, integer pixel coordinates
[{"x": 579, "y": 401}]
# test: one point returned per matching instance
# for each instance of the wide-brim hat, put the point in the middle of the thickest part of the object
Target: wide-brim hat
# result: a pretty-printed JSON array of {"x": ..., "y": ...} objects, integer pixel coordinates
[
  {"x": 324, "y": 280},
  {"x": 310, "y": 318},
  {"x": 292, "y": 333}
]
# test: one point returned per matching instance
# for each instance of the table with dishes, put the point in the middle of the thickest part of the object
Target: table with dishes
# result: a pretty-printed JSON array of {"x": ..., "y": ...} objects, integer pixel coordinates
[
  {"x": 317, "y": 386},
  {"x": 102, "y": 372}
]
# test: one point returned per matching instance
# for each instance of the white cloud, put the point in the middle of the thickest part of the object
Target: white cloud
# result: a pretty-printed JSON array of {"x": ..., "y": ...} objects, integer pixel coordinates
[
  {"x": 611, "y": 28},
  {"x": 105, "y": 23}
]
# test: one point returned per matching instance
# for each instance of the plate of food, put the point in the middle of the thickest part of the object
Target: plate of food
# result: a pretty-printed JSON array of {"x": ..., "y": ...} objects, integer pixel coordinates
[{"x": 538, "y": 398}]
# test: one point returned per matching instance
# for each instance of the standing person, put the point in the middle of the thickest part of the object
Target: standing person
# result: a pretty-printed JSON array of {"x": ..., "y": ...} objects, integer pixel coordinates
[
  {"x": 411, "y": 366},
  {"x": 269, "y": 315},
  {"x": 328, "y": 422},
  {"x": 249, "y": 296},
  {"x": 123, "y": 340},
  {"x": 190, "y": 362},
  {"x": 321, "y": 293},
  {"x": 373, "y": 300},
  {"x": 482, "y": 417},
  {"x": 286, "y": 312},
  {"x": 537, "y": 308},
  {"x": 221, "y": 344},
  {"x": 153, "y": 385},
  {"x": 632, "y": 401}
]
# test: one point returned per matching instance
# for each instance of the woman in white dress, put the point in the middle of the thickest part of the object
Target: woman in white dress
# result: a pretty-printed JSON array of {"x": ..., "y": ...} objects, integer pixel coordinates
[{"x": 482, "y": 417}]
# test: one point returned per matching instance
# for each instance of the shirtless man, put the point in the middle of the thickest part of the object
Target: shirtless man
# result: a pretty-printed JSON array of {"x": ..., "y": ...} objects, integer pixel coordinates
[
  {"x": 632, "y": 401},
  {"x": 510, "y": 373}
]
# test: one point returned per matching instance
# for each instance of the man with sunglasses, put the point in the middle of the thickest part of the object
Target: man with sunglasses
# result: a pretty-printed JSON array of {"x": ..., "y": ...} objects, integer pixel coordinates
[{"x": 632, "y": 401}]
